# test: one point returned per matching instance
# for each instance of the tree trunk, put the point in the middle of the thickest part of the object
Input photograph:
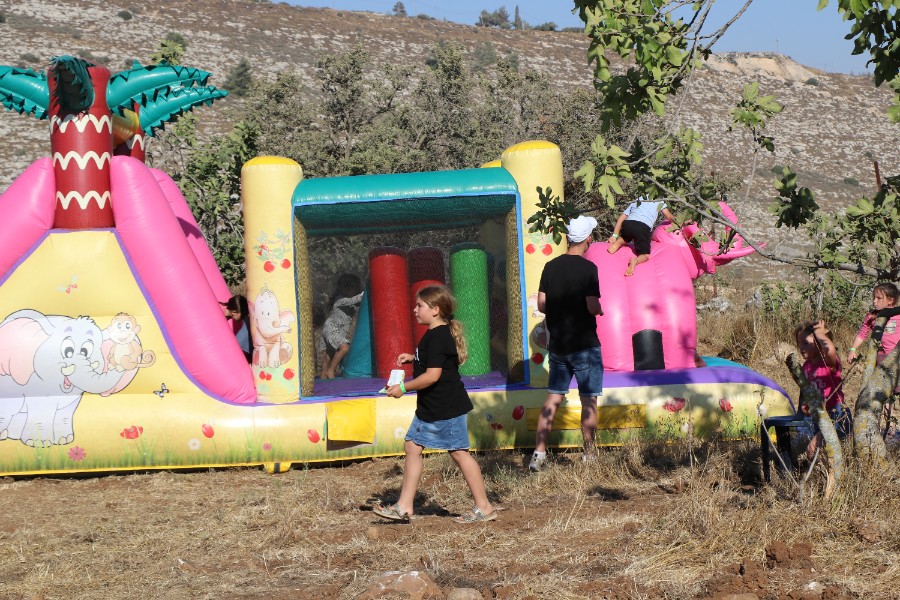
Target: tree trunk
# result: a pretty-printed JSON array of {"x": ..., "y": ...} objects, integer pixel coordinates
[
  {"x": 812, "y": 397},
  {"x": 81, "y": 145},
  {"x": 879, "y": 382}
]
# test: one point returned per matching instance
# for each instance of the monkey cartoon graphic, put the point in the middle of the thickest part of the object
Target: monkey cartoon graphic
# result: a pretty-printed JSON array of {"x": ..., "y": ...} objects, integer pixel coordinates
[{"x": 126, "y": 352}]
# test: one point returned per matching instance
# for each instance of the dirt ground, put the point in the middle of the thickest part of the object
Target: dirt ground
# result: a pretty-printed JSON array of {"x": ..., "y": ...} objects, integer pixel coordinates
[{"x": 639, "y": 523}]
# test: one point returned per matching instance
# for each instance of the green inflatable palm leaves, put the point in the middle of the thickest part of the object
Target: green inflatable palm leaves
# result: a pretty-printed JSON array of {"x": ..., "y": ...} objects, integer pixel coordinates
[
  {"x": 164, "y": 92},
  {"x": 142, "y": 84},
  {"x": 73, "y": 83},
  {"x": 24, "y": 91},
  {"x": 167, "y": 107}
]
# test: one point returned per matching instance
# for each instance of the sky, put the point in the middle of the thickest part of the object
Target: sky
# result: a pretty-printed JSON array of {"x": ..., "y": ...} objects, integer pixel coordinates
[{"x": 790, "y": 27}]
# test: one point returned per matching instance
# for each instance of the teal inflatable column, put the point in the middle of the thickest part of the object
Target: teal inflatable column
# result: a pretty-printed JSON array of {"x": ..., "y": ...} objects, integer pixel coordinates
[
  {"x": 358, "y": 362},
  {"x": 469, "y": 280}
]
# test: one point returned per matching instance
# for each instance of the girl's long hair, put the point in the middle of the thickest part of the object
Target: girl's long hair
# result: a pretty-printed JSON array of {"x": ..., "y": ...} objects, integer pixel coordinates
[{"x": 440, "y": 297}]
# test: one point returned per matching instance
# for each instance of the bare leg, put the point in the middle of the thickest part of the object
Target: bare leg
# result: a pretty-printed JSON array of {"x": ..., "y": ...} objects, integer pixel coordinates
[
  {"x": 336, "y": 360},
  {"x": 640, "y": 258},
  {"x": 412, "y": 473},
  {"x": 614, "y": 247},
  {"x": 589, "y": 423},
  {"x": 472, "y": 473},
  {"x": 545, "y": 421}
]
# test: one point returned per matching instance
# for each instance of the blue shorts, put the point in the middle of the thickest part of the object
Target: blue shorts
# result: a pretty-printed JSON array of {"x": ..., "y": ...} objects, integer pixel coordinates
[
  {"x": 585, "y": 365},
  {"x": 451, "y": 434}
]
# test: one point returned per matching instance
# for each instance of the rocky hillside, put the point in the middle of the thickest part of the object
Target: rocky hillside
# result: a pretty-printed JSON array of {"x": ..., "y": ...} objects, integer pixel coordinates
[{"x": 831, "y": 130}]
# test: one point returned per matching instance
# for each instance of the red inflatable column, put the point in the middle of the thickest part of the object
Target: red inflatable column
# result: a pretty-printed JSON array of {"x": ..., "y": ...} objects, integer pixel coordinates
[
  {"x": 81, "y": 144},
  {"x": 391, "y": 310},
  {"x": 426, "y": 267}
]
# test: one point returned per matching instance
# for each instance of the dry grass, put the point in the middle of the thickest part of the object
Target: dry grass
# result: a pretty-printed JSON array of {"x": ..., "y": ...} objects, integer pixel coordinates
[{"x": 648, "y": 520}]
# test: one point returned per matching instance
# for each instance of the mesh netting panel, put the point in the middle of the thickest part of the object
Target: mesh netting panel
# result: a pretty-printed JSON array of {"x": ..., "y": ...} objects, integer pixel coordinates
[
  {"x": 359, "y": 361},
  {"x": 469, "y": 281},
  {"x": 513, "y": 315},
  {"x": 391, "y": 311},
  {"x": 305, "y": 304},
  {"x": 426, "y": 263}
]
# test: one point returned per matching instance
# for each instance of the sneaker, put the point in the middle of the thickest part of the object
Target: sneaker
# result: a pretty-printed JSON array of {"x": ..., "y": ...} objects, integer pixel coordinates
[{"x": 536, "y": 462}]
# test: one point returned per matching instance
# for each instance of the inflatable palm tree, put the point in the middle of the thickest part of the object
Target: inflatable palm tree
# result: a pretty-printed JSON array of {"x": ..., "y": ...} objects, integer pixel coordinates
[{"x": 94, "y": 114}]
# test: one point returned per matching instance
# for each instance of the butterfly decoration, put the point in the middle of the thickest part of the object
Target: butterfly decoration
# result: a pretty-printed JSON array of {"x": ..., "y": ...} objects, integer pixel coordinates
[
  {"x": 73, "y": 285},
  {"x": 162, "y": 391}
]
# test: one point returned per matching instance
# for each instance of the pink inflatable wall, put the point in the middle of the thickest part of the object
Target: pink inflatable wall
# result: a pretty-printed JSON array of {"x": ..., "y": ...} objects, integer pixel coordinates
[{"x": 659, "y": 296}]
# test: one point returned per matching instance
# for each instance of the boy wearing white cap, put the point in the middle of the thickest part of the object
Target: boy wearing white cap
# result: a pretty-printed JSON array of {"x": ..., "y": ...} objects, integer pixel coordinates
[
  {"x": 569, "y": 296},
  {"x": 636, "y": 225}
]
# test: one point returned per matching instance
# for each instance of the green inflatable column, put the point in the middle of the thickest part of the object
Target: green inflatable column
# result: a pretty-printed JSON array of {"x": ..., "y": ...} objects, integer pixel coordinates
[{"x": 469, "y": 280}]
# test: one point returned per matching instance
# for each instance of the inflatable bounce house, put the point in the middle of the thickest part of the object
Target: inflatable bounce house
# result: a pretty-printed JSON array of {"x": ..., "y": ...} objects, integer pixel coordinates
[{"x": 114, "y": 353}]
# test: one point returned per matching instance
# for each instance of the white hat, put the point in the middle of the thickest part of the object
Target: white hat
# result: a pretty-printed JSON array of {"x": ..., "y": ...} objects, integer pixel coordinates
[{"x": 580, "y": 228}]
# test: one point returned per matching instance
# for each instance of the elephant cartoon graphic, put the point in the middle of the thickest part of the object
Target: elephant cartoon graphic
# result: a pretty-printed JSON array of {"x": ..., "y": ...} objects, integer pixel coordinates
[
  {"x": 267, "y": 327},
  {"x": 47, "y": 362}
]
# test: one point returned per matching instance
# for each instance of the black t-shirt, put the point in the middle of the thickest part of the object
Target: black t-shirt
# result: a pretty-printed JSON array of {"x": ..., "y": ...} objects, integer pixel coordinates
[
  {"x": 447, "y": 397},
  {"x": 566, "y": 281}
]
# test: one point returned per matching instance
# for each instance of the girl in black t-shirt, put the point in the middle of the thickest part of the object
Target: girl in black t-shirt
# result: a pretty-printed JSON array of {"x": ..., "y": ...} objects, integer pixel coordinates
[{"x": 442, "y": 405}]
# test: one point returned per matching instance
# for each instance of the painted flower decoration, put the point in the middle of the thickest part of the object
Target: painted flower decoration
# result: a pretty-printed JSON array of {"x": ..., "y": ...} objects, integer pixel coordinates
[
  {"x": 673, "y": 405},
  {"x": 132, "y": 433},
  {"x": 725, "y": 405},
  {"x": 267, "y": 447},
  {"x": 193, "y": 444},
  {"x": 77, "y": 453},
  {"x": 763, "y": 410},
  {"x": 399, "y": 433},
  {"x": 313, "y": 436},
  {"x": 518, "y": 412},
  {"x": 207, "y": 430}
]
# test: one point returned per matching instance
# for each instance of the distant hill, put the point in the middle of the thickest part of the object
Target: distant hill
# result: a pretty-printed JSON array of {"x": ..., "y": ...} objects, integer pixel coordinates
[{"x": 832, "y": 128}]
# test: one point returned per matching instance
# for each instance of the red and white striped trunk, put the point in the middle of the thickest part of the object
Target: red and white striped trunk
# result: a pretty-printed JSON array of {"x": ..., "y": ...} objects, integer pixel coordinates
[{"x": 81, "y": 145}]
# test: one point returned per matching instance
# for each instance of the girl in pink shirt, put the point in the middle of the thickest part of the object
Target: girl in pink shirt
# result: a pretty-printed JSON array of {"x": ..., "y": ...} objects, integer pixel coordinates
[
  {"x": 822, "y": 367},
  {"x": 884, "y": 295}
]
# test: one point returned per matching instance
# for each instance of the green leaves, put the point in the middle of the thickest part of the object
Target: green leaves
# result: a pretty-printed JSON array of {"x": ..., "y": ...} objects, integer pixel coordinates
[
  {"x": 74, "y": 87},
  {"x": 793, "y": 207},
  {"x": 146, "y": 84},
  {"x": 165, "y": 108},
  {"x": 607, "y": 166},
  {"x": 752, "y": 112},
  {"x": 24, "y": 91},
  {"x": 552, "y": 216}
]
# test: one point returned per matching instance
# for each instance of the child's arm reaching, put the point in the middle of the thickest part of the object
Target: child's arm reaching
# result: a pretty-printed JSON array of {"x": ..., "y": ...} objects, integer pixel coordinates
[
  {"x": 668, "y": 214},
  {"x": 829, "y": 352},
  {"x": 860, "y": 338},
  {"x": 617, "y": 228}
]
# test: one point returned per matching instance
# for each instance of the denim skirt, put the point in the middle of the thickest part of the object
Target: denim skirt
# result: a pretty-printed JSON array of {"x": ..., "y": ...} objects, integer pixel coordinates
[{"x": 451, "y": 434}]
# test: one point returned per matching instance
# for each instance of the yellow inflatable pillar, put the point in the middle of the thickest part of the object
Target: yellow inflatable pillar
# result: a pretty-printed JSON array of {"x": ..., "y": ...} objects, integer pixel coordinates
[
  {"x": 535, "y": 164},
  {"x": 267, "y": 185}
]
